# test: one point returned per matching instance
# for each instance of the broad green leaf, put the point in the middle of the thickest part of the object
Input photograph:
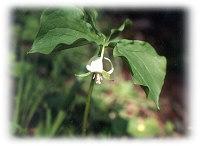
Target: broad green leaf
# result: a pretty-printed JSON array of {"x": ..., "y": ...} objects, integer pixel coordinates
[
  {"x": 91, "y": 16},
  {"x": 147, "y": 67},
  {"x": 115, "y": 32},
  {"x": 77, "y": 43},
  {"x": 64, "y": 28}
]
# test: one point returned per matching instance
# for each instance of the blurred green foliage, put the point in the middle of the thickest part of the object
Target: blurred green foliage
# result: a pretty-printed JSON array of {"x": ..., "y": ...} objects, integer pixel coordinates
[
  {"x": 49, "y": 101},
  {"x": 143, "y": 127}
]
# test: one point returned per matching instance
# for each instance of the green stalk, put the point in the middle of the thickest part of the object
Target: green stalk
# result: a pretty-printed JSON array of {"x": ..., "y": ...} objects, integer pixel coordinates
[
  {"x": 88, "y": 98},
  {"x": 87, "y": 107}
]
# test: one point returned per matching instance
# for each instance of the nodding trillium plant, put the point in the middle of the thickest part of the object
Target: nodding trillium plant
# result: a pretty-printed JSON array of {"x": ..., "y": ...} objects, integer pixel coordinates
[{"x": 62, "y": 29}]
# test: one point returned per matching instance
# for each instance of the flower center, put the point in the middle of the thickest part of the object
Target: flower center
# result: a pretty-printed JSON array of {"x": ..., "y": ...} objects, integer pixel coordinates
[{"x": 98, "y": 77}]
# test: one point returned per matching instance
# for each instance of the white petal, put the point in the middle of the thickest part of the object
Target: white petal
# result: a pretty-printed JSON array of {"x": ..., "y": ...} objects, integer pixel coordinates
[
  {"x": 95, "y": 64},
  {"x": 112, "y": 68},
  {"x": 88, "y": 67}
]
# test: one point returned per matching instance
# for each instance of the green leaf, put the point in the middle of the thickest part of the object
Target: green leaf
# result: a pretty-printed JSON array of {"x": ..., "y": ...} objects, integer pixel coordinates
[
  {"x": 91, "y": 16},
  {"x": 77, "y": 43},
  {"x": 147, "y": 67},
  {"x": 115, "y": 32},
  {"x": 57, "y": 123},
  {"x": 65, "y": 28}
]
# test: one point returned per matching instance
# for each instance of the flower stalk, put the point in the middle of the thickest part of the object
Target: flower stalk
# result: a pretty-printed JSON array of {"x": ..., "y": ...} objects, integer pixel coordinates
[
  {"x": 95, "y": 66},
  {"x": 87, "y": 107},
  {"x": 88, "y": 99}
]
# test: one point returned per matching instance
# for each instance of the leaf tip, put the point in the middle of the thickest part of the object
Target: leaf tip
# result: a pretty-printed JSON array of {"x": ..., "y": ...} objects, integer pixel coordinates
[
  {"x": 157, "y": 105},
  {"x": 129, "y": 22}
]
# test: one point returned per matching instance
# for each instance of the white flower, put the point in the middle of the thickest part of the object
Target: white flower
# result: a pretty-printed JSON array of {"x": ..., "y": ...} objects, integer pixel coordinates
[{"x": 95, "y": 65}]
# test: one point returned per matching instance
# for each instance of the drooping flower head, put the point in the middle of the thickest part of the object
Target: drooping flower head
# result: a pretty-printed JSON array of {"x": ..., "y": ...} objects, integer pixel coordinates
[{"x": 95, "y": 65}]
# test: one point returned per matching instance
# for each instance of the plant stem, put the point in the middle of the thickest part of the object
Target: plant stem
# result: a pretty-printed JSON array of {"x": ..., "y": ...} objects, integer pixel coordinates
[
  {"x": 87, "y": 107},
  {"x": 88, "y": 98},
  {"x": 102, "y": 51}
]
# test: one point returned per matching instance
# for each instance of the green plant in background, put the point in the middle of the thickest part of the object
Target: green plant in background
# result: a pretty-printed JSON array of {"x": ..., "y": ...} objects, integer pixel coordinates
[
  {"x": 143, "y": 128},
  {"x": 169, "y": 127},
  {"x": 68, "y": 28}
]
